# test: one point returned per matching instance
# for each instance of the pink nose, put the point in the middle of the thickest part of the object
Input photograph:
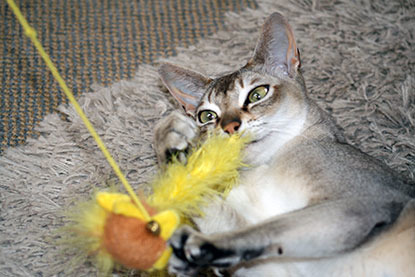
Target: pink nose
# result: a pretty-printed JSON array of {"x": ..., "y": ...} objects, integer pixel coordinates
[{"x": 232, "y": 127}]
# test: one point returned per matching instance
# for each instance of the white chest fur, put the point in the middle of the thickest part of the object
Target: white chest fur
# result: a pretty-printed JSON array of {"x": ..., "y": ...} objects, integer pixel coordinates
[{"x": 263, "y": 193}]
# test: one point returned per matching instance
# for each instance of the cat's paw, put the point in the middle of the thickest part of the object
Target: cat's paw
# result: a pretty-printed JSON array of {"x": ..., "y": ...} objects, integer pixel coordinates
[
  {"x": 174, "y": 136},
  {"x": 179, "y": 264},
  {"x": 192, "y": 252}
]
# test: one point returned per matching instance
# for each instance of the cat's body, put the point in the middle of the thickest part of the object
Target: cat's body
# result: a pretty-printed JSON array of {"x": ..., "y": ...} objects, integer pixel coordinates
[{"x": 309, "y": 205}]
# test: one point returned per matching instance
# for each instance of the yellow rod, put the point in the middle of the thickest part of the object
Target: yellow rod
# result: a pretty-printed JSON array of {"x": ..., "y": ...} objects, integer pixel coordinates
[{"x": 31, "y": 33}]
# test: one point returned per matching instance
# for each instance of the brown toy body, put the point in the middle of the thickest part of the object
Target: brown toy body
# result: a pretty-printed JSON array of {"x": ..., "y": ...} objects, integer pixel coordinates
[{"x": 130, "y": 243}]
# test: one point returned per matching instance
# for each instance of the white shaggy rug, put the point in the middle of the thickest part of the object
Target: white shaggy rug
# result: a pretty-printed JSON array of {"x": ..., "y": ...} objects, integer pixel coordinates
[{"x": 358, "y": 60}]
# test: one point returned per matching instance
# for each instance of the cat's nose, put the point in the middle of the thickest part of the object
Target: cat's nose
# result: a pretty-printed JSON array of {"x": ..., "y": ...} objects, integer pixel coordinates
[{"x": 232, "y": 127}]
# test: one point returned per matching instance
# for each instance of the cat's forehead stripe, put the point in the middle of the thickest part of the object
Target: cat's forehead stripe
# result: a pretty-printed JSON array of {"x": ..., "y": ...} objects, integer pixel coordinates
[
  {"x": 254, "y": 80},
  {"x": 241, "y": 81},
  {"x": 224, "y": 84}
]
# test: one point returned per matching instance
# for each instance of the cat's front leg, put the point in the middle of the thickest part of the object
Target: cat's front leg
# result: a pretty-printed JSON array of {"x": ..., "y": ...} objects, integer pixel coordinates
[
  {"x": 174, "y": 135},
  {"x": 319, "y": 231}
]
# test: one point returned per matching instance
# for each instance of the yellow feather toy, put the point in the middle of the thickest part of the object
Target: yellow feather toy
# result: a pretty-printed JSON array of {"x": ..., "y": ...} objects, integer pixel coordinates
[{"x": 113, "y": 230}]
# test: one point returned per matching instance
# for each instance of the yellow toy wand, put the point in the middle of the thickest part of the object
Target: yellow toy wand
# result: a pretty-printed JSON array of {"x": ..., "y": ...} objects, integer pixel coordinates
[{"x": 31, "y": 33}]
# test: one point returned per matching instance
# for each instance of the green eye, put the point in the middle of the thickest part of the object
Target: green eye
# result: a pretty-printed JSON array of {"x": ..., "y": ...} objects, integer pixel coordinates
[
  {"x": 207, "y": 115},
  {"x": 257, "y": 94}
]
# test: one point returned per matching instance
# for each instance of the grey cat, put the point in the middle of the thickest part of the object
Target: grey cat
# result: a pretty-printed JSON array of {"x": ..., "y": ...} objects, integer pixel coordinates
[{"x": 309, "y": 204}]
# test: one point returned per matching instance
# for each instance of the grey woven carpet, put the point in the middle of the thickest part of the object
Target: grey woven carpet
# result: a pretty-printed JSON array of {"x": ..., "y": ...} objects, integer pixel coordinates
[{"x": 358, "y": 60}]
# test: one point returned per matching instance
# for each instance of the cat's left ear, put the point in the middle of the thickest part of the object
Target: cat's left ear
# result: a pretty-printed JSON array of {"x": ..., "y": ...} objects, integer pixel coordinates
[
  {"x": 276, "y": 48},
  {"x": 186, "y": 86}
]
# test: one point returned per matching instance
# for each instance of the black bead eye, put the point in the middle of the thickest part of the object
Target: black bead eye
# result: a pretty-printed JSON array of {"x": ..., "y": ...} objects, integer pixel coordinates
[
  {"x": 257, "y": 94},
  {"x": 206, "y": 116}
]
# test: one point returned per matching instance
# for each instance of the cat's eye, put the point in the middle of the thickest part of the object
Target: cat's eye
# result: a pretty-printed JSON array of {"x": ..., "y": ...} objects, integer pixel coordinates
[
  {"x": 206, "y": 116},
  {"x": 257, "y": 94}
]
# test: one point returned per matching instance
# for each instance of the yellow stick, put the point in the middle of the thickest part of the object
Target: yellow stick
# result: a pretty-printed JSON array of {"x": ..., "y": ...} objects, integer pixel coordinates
[{"x": 31, "y": 33}]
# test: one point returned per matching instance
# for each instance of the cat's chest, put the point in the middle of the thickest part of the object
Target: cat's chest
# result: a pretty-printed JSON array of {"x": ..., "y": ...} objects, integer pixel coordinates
[{"x": 265, "y": 192}]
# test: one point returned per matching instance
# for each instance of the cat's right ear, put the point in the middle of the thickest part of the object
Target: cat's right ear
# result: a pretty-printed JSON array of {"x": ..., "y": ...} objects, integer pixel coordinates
[
  {"x": 276, "y": 49},
  {"x": 186, "y": 86}
]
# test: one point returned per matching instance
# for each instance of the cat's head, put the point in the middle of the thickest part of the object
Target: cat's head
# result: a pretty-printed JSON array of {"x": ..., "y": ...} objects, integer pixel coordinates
[{"x": 266, "y": 97}]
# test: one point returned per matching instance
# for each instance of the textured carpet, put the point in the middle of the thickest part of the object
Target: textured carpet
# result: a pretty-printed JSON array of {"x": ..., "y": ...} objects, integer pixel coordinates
[
  {"x": 358, "y": 62},
  {"x": 98, "y": 41}
]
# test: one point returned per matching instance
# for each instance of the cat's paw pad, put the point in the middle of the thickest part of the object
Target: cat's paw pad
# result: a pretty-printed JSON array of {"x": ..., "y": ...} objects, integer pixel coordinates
[{"x": 174, "y": 135}]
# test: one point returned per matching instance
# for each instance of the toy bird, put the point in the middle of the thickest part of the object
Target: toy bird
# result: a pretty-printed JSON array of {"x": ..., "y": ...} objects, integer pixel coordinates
[{"x": 112, "y": 228}]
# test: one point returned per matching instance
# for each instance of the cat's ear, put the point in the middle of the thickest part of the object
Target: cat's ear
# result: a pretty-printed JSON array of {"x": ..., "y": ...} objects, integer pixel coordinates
[
  {"x": 186, "y": 86},
  {"x": 276, "y": 47}
]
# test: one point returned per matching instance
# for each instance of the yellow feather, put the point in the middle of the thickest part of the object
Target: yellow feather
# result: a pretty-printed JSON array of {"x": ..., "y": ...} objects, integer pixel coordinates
[{"x": 212, "y": 169}]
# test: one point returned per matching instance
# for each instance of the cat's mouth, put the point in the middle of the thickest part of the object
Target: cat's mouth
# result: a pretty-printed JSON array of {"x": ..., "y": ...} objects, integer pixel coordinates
[
  {"x": 259, "y": 139},
  {"x": 255, "y": 138},
  {"x": 255, "y": 141}
]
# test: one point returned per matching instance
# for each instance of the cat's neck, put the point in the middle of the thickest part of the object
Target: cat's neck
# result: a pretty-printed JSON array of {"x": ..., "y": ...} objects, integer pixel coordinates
[{"x": 311, "y": 124}]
